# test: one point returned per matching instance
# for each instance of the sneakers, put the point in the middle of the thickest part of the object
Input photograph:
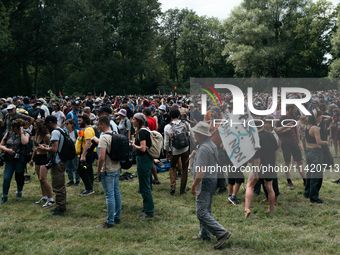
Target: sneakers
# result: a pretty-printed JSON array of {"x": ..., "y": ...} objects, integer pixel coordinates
[
  {"x": 56, "y": 212},
  {"x": 146, "y": 216},
  {"x": 221, "y": 240},
  {"x": 40, "y": 201},
  {"x": 3, "y": 200},
  {"x": 48, "y": 204},
  {"x": 233, "y": 200},
  {"x": 77, "y": 183},
  {"x": 290, "y": 186},
  {"x": 69, "y": 184},
  {"x": 105, "y": 225},
  {"x": 19, "y": 195},
  {"x": 319, "y": 201},
  {"x": 86, "y": 192},
  {"x": 173, "y": 190}
]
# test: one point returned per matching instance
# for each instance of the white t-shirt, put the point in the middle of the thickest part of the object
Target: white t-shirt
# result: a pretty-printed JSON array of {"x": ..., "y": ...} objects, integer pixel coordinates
[{"x": 59, "y": 116}]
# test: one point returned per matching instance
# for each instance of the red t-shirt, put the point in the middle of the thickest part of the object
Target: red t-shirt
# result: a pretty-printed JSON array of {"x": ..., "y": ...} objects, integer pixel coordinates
[{"x": 152, "y": 124}]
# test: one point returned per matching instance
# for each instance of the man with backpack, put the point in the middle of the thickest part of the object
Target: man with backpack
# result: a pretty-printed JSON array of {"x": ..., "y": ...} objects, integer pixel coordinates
[
  {"x": 58, "y": 165},
  {"x": 108, "y": 173},
  {"x": 86, "y": 159},
  {"x": 176, "y": 139}
]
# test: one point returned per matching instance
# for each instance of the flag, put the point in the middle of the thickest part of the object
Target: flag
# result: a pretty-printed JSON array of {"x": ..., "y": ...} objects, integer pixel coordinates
[
  {"x": 60, "y": 94},
  {"x": 175, "y": 87},
  {"x": 104, "y": 93},
  {"x": 239, "y": 139}
]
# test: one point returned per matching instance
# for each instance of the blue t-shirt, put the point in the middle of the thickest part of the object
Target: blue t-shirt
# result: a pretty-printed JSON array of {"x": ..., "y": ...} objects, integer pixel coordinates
[{"x": 72, "y": 115}]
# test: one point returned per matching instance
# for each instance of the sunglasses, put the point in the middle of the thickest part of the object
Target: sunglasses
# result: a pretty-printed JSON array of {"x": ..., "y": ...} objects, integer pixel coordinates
[{"x": 67, "y": 123}]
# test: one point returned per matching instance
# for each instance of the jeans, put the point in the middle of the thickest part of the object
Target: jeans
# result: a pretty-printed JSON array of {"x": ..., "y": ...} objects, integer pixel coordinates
[
  {"x": 144, "y": 164},
  {"x": 10, "y": 167},
  {"x": 208, "y": 225},
  {"x": 71, "y": 167},
  {"x": 110, "y": 183}
]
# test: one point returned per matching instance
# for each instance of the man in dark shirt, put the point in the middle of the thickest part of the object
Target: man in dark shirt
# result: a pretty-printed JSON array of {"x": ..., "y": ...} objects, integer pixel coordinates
[
  {"x": 290, "y": 143},
  {"x": 264, "y": 163},
  {"x": 89, "y": 101},
  {"x": 197, "y": 114}
]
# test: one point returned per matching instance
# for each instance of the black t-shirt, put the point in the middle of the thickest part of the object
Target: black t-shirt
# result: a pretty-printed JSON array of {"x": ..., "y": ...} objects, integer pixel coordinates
[
  {"x": 163, "y": 120},
  {"x": 143, "y": 135},
  {"x": 268, "y": 147},
  {"x": 129, "y": 113}
]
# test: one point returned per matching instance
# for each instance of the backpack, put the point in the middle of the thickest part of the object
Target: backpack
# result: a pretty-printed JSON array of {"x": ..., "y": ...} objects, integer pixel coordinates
[
  {"x": 179, "y": 135},
  {"x": 34, "y": 113},
  {"x": 68, "y": 151},
  {"x": 120, "y": 147},
  {"x": 156, "y": 143}
]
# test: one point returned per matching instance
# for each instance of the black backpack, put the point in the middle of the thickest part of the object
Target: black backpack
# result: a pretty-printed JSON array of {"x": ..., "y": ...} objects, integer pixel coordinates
[
  {"x": 120, "y": 147},
  {"x": 34, "y": 113},
  {"x": 68, "y": 150}
]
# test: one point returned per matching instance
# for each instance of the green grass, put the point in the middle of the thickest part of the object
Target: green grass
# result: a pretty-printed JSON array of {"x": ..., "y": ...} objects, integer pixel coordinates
[{"x": 295, "y": 227}]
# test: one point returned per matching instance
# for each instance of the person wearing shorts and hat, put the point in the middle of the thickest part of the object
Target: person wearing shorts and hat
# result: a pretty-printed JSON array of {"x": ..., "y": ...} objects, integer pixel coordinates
[
  {"x": 204, "y": 186},
  {"x": 124, "y": 123}
]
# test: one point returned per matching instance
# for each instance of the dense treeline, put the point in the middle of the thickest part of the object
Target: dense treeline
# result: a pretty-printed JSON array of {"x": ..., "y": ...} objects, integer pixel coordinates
[{"x": 130, "y": 46}]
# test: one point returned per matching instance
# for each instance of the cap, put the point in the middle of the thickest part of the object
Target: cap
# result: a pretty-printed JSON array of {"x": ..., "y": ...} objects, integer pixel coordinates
[
  {"x": 15, "y": 99},
  {"x": 122, "y": 112},
  {"x": 50, "y": 118},
  {"x": 75, "y": 102},
  {"x": 11, "y": 106},
  {"x": 105, "y": 109},
  {"x": 108, "y": 102},
  {"x": 162, "y": 107},
  {"x": 216, "y": 109},
  {"x": 42, "y": 100},
  {"x": 89, "y": 94},
  {"x": 192, "y": 105}
]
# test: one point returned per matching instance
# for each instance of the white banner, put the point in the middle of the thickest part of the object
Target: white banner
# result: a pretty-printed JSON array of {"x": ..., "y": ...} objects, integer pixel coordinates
[{"x": 239, "y": 139}]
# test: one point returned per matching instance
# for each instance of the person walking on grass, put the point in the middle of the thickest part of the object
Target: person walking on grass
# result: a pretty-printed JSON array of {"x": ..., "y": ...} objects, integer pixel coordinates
[
  {"x": 204, "y": 186},
  {"x": 40, "y": 160},
  {"x": 108, "y": 173},
  {"x": 144, "y": 163},
  {"x": 264, "y": 157}
]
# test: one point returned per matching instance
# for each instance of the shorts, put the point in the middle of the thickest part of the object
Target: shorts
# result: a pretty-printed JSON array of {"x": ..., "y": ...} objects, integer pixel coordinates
[
  {"x": 267, "y": 176},
  {"x": 290, "y": 149},
  {"x": 235, "y": 177},
  {"x": 40, "y": 160}
]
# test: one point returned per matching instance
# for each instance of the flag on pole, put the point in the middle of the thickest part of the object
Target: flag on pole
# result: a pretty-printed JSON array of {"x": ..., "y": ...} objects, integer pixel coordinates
[
  {"x": 60, "y": 94},
  {"x": 239, "y": 139}
]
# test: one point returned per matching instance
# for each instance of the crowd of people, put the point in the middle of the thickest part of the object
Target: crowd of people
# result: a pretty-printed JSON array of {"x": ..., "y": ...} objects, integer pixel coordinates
[{"x": 41, "y": 131}]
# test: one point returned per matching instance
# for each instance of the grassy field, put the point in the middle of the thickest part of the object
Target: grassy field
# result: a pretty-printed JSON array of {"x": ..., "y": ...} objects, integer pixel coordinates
[{"x": 296, "y": 227}]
